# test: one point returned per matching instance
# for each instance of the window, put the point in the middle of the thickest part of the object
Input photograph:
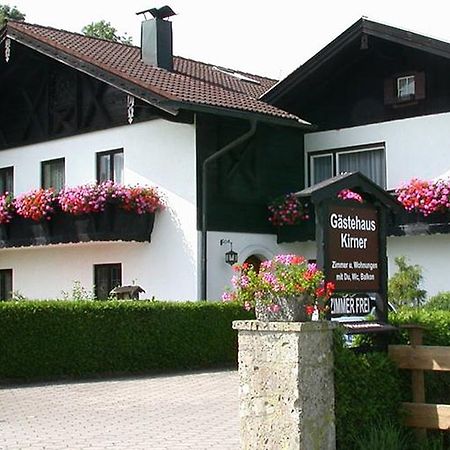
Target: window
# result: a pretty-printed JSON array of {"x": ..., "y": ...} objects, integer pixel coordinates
[
  {"x": 369, "y": 160},
  {"x": 406, "y": 87},
  {"x": 6, "y": 180},
  {"x": 110, "y": 166},
  {"x": 6, "y": 284},
  {"x": 106, "y": 278},
  {"x": 53, "y": 174}
]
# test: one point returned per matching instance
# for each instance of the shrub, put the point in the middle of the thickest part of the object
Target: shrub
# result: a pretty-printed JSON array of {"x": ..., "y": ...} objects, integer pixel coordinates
[
  {"x": 440, "y": 301},
  {"x": 404, "y": 285},
  {"x": 79, "y": 338},
  {"x": 367, "y": 389}
]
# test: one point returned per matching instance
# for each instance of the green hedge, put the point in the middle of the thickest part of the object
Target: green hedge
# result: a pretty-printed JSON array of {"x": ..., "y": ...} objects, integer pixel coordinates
[
  {"x": 367, "y": 393},
  {"x": 41, "y": 339}
]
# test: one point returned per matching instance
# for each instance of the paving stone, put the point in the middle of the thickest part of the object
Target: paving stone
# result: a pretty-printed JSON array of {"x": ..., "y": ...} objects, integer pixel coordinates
[{"x": 188, "y": 411}]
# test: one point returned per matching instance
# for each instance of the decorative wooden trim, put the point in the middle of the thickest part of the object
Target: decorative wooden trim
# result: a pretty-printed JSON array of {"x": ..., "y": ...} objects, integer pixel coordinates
[
  {"x": 7, "y": 49},
  {"x": 420, "y": 357},
  {"x": 423, "y": 415}
]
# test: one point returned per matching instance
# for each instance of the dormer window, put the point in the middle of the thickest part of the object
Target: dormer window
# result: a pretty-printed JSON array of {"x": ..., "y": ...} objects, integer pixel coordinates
[{"x": 406, "y": 87}]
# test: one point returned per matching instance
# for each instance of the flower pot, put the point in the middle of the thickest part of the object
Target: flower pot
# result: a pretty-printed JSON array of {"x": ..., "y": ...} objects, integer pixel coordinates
[
  {"x": 84, "y": 227},
  {"x": 131, "y": 226},
  {"x": 40, "y": 232},
  {"x": 287, "y": 309}
]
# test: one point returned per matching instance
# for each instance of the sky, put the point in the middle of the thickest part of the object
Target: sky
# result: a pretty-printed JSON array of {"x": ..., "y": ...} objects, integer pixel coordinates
[{"x": 261, "y": 37}]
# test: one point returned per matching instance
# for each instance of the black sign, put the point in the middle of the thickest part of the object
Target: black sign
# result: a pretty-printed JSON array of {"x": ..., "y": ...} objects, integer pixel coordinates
[{"x": 352, "y": 250}]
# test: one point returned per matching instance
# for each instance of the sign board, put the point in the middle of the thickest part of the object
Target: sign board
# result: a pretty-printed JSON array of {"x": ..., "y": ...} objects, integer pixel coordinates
[
  {"x": 352, "y": 257},
  {"x": 351, "y": 246}
]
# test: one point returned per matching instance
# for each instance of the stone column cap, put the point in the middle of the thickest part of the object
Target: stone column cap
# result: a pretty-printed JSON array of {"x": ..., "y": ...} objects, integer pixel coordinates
[{"x": 256, "y": 325}]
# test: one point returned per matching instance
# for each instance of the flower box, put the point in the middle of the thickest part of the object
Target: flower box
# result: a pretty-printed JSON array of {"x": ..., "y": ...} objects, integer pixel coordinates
[{"x": 112, "y": 224}]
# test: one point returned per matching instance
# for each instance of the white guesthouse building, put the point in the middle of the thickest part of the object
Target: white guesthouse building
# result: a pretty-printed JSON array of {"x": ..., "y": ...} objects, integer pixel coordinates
[{"x": 219, "y": 144}]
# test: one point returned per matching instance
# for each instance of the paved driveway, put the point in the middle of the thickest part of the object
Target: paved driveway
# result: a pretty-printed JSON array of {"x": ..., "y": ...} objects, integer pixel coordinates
[{"x": 191, "y": 411}]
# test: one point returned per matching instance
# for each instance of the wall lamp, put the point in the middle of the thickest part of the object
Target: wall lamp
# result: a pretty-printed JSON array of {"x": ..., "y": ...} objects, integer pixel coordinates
[{"x": 231, "y": 257}]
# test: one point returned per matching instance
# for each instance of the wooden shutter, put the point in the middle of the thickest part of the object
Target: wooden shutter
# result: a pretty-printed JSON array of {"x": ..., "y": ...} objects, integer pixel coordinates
[
  {"x": 389, "y": 91},
  {"x": 420, "y": 85}
]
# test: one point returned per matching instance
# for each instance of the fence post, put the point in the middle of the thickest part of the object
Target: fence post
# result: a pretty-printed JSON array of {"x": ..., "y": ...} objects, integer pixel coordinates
[
  {"x": 286, "y": 385},
  {"x": 415, "y": 333}
]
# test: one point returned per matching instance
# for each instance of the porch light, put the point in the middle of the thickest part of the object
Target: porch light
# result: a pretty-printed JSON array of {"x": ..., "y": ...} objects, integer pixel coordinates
[{"x": 231, "y": 257}]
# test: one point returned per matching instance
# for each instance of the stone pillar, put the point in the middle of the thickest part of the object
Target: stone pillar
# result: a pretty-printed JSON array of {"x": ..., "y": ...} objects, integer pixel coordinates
[{"x": 286, "y": 385}]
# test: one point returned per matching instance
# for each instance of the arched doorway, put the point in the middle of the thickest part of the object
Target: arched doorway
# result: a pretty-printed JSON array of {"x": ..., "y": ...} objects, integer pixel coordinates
[{"x": 255, "y": 261}]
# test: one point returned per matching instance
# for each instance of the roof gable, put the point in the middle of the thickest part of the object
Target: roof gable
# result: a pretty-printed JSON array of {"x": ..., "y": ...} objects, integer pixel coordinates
[
  {"x": 363, "y": 27},
  {"x": 191, "y": 84}
]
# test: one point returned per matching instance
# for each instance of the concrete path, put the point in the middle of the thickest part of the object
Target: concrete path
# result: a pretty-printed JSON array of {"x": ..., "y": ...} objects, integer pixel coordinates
[{"x": 191, "y": 411}]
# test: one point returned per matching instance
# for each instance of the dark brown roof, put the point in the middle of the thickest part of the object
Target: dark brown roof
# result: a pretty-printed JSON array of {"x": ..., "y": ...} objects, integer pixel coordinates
[{"x": 190, "y": 83}]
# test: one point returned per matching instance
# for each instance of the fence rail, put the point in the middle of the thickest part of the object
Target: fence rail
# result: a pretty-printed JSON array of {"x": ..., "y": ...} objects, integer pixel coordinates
[{"x": 418, "y": 358}]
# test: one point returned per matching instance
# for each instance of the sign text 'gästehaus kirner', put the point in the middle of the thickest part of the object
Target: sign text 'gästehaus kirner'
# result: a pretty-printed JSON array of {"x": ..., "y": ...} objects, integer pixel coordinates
[{"x": 352, "y": 250}]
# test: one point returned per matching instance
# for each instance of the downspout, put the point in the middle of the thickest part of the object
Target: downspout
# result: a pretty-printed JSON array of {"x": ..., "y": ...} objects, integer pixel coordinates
[{"x": 206, "y": 162}]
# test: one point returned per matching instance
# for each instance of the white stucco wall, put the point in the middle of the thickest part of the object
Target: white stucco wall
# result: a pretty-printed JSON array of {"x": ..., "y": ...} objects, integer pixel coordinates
[
  {"x": 432, "y": 253},
  {"x": 245, "y": 244},
  {"x": 157, "y": 153},
  {"x": 416, "y": 147}
]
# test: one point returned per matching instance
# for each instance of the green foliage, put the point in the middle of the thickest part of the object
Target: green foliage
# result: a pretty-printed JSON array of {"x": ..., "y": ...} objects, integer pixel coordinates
[
  {"x": 79, "y": 338},
  {"x": 440, "y": 301},
  {"x": 404, "y": 285},
  {"x": 385, "y": 436},
  {"x": 10, "y": 12},
  {"x": 366, "y": 389},
  {"x": 78, "y": 292},
  {"x": 105, "y": 30}
]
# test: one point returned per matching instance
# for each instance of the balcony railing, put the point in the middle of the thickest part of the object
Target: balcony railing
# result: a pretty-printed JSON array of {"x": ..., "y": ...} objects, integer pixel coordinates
[{"x": 113, "y": 224}]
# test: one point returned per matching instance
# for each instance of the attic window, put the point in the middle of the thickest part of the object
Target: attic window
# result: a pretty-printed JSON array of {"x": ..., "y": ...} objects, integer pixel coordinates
[
  {"x": 237, "y": 75},
  {"x": 406, "y": 87}
]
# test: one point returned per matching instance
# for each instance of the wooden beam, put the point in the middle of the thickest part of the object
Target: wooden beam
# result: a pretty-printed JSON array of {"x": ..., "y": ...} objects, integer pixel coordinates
[
  {"x": 423, "y": 415},
  {"x": 420, "y": 357}
]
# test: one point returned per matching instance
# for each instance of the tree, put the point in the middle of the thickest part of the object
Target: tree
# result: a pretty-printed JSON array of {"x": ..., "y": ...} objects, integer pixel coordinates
[
  {"x": 105, "y": 30},
  {"x": 8, "y": 12},
  {"x": 404, "y": 285}
]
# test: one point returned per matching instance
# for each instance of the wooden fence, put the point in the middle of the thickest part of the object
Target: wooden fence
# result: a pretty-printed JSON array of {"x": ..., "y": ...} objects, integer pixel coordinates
[{"x": 419, "y": 358}]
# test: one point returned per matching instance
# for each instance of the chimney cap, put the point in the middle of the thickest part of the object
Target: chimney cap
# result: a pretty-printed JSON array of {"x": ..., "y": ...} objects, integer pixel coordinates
[{"x": 159, "y": 13}]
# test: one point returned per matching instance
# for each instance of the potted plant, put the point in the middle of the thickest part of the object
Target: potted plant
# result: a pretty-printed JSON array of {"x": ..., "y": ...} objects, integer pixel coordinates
[
  {"x": 36, "y": 208},
  {"x": 286, "y": 288}
]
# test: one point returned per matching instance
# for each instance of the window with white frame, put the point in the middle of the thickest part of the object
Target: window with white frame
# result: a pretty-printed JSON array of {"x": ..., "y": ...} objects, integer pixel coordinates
[
  {"x": 406, "y": 87},
  {"x": 369, "y": 160}
]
